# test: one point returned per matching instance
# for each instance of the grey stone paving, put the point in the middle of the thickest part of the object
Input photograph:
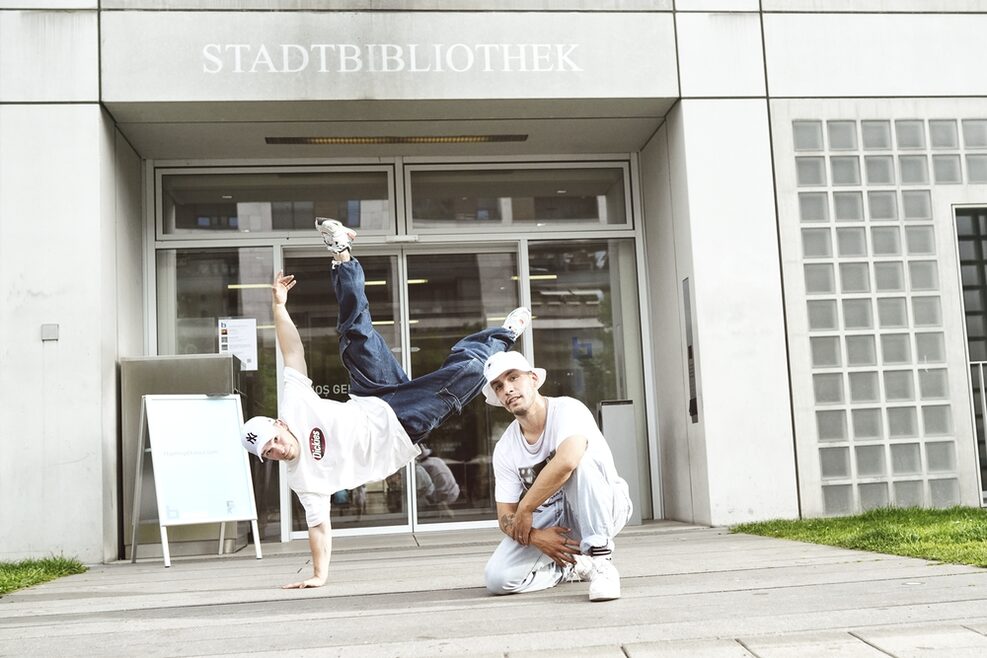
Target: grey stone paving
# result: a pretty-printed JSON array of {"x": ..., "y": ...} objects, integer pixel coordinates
[{"x": 687, "y": 591}]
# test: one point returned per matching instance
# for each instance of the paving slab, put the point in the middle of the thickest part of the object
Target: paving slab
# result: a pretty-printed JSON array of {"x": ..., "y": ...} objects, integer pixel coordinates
[
  {"x": 687, "y": 648},
  {"x": 818, "y": 644},
  {"x": 926, "y": 640},
  {"x": 687, "y": 590}
]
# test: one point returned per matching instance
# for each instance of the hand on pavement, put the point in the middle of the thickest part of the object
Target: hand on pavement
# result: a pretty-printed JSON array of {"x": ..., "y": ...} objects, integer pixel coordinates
[{"x": 311, "y": 582}]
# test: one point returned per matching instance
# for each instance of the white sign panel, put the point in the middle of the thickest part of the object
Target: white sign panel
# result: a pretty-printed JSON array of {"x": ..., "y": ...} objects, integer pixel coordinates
[
  {"x": 239, "y": 336},
  {"x": 264, "y": 56},
  {"x": 201, "y": 472}
]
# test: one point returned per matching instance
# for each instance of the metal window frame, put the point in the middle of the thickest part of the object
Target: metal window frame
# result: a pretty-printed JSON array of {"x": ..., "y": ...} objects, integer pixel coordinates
[
  {"x": 623, "y": 164},
  {"x": 161, "y": 172},
  {"x": 430, "y": 241}
]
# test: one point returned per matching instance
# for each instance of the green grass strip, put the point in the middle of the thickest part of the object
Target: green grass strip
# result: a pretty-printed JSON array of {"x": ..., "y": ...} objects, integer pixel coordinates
[
  {"x": 17, "y": 575},
  {"x": 957, "y": 535}
]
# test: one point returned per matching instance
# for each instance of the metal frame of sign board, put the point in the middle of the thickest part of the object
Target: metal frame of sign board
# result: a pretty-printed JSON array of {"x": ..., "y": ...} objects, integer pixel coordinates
[{"x": 146, "y": 445}]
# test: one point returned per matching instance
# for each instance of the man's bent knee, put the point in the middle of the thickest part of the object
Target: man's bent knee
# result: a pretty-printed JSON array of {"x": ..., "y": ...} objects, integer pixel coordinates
[
  {"x": 501, "y": 578},
  {"x": 498, "y": 582}
]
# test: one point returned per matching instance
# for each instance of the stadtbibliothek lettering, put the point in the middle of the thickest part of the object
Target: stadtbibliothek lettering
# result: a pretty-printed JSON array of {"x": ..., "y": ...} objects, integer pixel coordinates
[{"x": 390, "y": 58}]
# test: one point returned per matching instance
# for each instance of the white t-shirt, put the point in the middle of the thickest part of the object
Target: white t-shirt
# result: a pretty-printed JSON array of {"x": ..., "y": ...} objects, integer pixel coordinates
[
  {"x": 517, "y": 463},
  {"x": 341, "y": 444}
]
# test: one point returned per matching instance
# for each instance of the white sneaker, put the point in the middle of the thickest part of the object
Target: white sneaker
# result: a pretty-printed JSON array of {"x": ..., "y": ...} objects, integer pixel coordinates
[
  {"x": 604, "y": 582},
  {"x": 583, "y": 568},
  {"x": 517, "y": 321},
  {"x": 336, "y": 236}
]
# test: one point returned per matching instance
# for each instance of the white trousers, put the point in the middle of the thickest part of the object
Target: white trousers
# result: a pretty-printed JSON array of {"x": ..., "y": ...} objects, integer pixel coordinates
[{"x": 593, "y": 507}]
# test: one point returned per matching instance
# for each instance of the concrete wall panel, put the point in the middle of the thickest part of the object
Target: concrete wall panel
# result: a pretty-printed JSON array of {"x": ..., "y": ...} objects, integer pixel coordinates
[
  {"x": 845, "y": 6},
  {"x": 51, "y": 260},
  {"x": 122, "y": 293},
  {"x": 745, "y": 398},
  {"x": 49, "y": 56},
  {"x": 720, "y": 54},
  {"x": 49, "y": 4},
  {"x": 399, "y": 5},
  {"x": 694, "y": 445},
  {"x": 671, "y": 377},
  {"x": 717, "y": 5},
  {"x": 840, "y": 55}
]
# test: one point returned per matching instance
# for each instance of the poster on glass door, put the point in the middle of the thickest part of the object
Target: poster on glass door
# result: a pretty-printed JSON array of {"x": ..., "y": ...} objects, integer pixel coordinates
[{"x": 239, "y": 336}]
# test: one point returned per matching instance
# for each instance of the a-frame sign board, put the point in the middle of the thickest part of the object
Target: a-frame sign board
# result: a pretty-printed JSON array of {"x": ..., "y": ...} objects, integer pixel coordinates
[{"x": 201, "y": 472}]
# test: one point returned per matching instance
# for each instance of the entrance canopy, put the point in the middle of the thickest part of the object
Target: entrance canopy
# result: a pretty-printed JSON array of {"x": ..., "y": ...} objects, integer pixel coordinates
[
  {"x": 316, "y": 84},
  {"x": 310, "y": 129}
]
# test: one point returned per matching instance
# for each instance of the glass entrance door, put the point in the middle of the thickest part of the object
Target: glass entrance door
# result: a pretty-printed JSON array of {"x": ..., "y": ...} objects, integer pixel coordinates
[
  {"x": 451, "y": 295},
  {"x": 314, "y": 311},
  {"x": 426, "y": 301}
]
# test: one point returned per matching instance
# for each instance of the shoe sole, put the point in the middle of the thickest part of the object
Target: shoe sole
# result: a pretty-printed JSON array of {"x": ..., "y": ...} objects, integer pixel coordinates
[{"x": 600, "y": 599}]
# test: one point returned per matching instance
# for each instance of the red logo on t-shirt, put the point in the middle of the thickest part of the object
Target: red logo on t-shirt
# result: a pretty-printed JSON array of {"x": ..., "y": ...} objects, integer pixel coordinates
[{"x": 316, "y": 443}]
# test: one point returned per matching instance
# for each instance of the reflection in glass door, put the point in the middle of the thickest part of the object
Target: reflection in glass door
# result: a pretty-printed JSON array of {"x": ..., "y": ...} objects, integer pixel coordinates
[
  {"x": 313, "y": 308},
  {"x": 451, "y": 295}
]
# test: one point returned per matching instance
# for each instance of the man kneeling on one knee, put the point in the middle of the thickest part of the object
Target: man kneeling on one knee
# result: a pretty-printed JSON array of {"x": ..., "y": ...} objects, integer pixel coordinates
[{"x": 559, "y": 499}]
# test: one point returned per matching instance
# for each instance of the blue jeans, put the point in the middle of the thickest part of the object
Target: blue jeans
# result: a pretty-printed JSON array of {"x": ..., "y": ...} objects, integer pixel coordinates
[{"x": 423, "y": 403}]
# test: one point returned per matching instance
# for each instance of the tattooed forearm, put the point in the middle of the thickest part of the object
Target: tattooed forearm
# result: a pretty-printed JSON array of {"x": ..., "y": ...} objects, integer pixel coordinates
[{"x": 507, "y": 523}]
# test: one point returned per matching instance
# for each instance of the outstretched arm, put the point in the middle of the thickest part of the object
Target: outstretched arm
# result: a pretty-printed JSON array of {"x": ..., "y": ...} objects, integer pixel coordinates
[
  {"x": 289, "y": 341},
  {"x": 320, "y": 543}
]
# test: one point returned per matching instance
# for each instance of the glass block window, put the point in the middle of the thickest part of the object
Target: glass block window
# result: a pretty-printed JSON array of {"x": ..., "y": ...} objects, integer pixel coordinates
[
  {"x": 885, "y": 241},
  {"x": 880, "y": 169},
  {"x": 816, "y": 243},
  {"x": 878, "y": 377},
  {"x": 946, "y": 169},
  {"x": 849, "y": 206},
  {"x": 892, "y": 313},
  {"x": 975, "y": 133},
  {"x": 914, "y": 169},
  {"x": 976, "y": 168},
  {"x": 943, "y": 134},
  {"x": 838, "y": 500},
  {"x": 882, "y": 205},
  {"x": 842, "y": 135},
  {"x": 916, "y": 204},
  {"x": 873, "y": 495},
  {"x": 867, "y": 424},
  {"x": 808, "y": 135},
  {"x": 876, "y": 134},
  {"x": 909, "y": 493},
  {"x": 845, "y": 170},
  {"x": 811, "y": 171},
  {"x": 851, "y": 242},
  {"x": 861, "y": 351},
  {"x": 813, "y": 207},
  {"x": 944, "y": 492},
  {"x": 910, "y": 134},
  {"x": 826, "y": 352}
]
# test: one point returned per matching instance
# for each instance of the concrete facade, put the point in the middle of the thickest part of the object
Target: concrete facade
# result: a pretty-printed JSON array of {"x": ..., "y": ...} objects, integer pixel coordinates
[{"x": 700, "y": 98}]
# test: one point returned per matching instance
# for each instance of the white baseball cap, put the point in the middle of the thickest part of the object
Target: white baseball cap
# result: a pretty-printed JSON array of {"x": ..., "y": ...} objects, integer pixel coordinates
[
  {"x": 255, "y": 434},
  {"x": 500, "y": 363}
]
